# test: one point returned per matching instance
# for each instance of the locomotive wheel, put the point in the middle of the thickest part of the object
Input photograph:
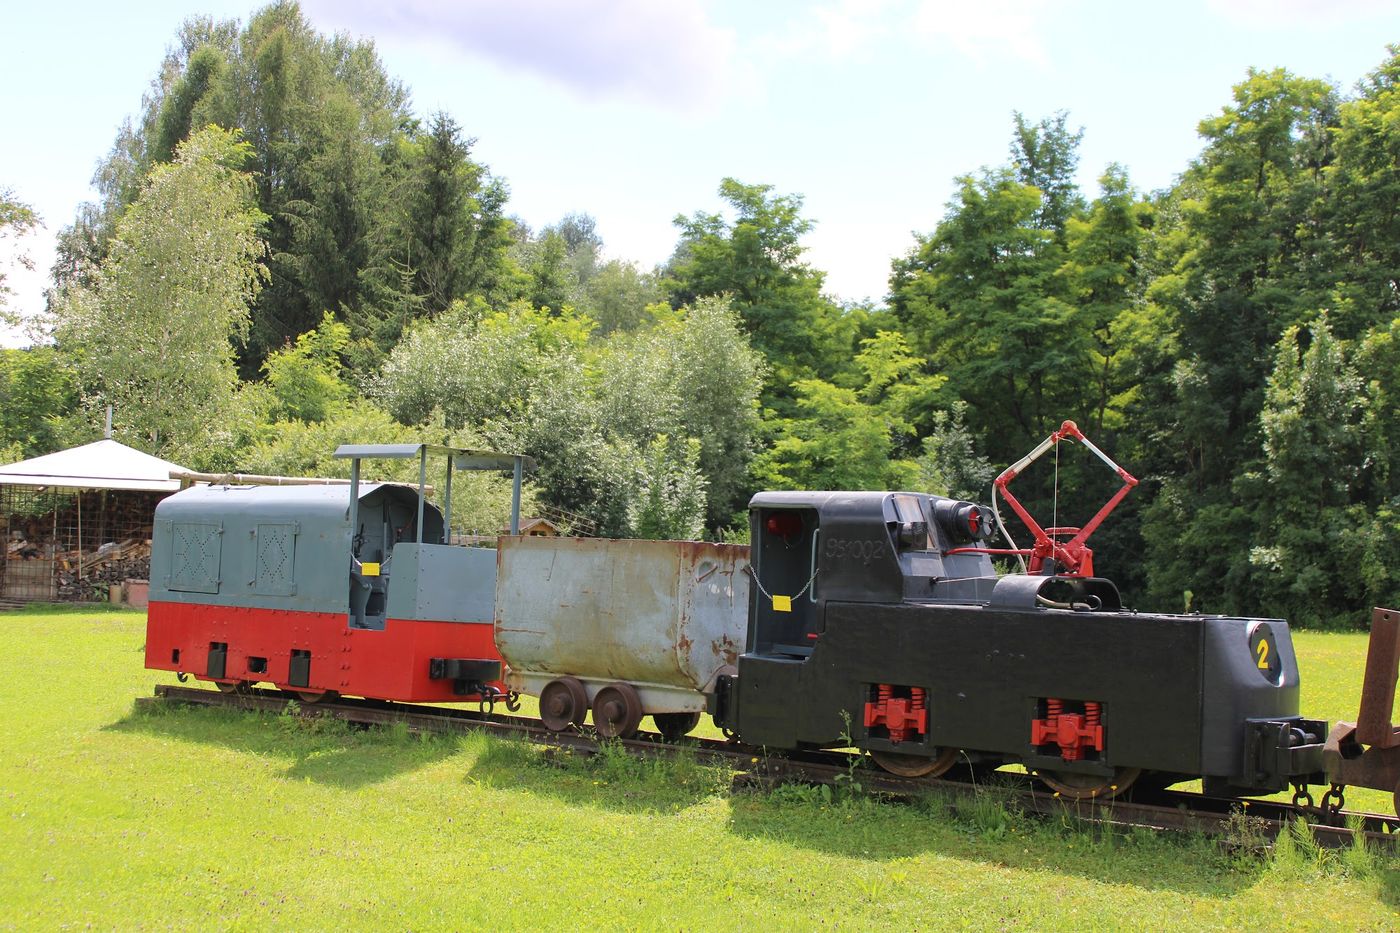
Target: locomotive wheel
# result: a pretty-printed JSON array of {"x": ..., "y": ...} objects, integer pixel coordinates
[
  {"x": 674, "y": 726},
  {"x": 316, "y": 696},
  {"x": 1089, "y": 786},
  {"x": 916, "y": 765},
  {"x": 234, "y": 686},
  {"x": 617, "y": 710},
  {"x": 563, "y": 703}
]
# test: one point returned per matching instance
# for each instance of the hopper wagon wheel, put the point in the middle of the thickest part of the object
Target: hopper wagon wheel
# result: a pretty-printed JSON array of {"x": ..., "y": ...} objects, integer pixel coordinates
[
  {"x": 1089, "y": 786},
  {"x": 916, "y": 765},
  {"x": 234, "y": 686},
  {"x": 617, "y": 710},
  {"x": 675, "y": 726},
  {"x": 563, "y": 703}
]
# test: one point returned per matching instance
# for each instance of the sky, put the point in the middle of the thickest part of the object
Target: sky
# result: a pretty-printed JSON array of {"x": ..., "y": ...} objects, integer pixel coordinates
[{"x": 634, "y": 110}]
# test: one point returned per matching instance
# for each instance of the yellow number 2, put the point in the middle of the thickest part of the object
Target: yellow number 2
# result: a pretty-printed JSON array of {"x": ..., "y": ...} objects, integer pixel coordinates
[{"x": 1263, "y": 655}]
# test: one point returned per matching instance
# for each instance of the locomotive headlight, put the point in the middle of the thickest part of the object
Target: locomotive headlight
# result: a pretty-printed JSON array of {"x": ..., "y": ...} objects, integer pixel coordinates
[{"x": 964, "y": 521}]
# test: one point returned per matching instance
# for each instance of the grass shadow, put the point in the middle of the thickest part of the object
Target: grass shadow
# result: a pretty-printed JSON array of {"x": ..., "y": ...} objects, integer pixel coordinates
[
  {"x": 611, "y": 779},
  {"x": 326, "y": 751},
  {"x": 989, "y": 829}
]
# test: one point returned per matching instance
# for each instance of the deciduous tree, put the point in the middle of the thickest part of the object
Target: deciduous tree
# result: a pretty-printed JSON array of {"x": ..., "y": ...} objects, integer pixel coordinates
[{"x": 154, "y": 336}]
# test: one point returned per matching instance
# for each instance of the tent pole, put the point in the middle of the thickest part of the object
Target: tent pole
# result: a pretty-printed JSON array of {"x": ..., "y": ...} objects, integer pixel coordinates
[{"x": 53, "y": 547}]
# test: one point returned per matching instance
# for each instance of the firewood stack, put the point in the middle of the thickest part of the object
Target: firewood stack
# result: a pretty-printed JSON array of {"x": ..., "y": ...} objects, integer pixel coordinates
[
  {"x": 88, "y": 574},
  {"x": 112, "y": 545}
]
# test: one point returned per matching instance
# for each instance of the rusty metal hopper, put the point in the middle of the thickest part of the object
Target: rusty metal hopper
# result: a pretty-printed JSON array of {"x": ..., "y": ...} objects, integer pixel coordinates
[{"x": 664, "y": 616}]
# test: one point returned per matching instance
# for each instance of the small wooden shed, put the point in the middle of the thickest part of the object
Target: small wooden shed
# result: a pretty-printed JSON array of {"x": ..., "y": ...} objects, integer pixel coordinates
[{"x": 536, "y": 528}]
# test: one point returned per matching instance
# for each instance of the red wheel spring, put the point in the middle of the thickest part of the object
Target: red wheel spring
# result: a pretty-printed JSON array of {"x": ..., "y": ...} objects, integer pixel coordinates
[
  {"x": 1093, "y": 713},
  {"x": 1053, "y": 708}
]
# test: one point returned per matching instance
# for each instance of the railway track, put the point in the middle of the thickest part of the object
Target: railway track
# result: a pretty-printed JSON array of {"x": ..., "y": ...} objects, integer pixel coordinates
[{"x": 755, "y": 767}]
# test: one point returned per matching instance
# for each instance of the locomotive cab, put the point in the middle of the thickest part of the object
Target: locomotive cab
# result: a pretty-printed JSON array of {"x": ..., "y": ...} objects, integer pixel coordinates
[
  {"x": 814, "y": 550},
  {"x": 861, "y": 547},
  {"x": 386, "y": 524}
]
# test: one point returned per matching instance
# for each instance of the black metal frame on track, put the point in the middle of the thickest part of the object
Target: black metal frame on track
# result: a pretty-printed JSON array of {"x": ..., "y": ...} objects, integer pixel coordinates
[{"x": 1169, "y": 810}]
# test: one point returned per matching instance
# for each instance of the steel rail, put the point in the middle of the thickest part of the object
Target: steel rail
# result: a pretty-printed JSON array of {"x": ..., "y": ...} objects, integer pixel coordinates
[{"x": 759, "y": 767}]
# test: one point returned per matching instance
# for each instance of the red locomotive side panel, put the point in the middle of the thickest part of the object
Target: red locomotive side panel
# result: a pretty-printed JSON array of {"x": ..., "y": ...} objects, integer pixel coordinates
[{"x": 388, "y": 664}]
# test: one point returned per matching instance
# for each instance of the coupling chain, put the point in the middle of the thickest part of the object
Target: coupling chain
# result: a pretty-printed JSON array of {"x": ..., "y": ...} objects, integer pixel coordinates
[{"x": 798, "y": 595}]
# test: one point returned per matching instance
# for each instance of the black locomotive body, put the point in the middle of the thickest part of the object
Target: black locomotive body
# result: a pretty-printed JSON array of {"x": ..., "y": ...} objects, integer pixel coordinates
[{"x": 872, "y": 625}]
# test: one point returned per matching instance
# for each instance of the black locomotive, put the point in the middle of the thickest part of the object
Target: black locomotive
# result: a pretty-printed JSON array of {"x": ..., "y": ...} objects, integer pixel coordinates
[{"x": 873, "y": 624}]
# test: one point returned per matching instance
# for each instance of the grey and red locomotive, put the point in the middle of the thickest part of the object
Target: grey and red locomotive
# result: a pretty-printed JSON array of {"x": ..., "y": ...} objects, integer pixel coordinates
[{"x": 873, "y": 620}]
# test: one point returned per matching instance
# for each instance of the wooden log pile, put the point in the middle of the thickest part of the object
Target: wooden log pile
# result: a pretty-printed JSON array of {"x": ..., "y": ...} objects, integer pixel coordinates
[{"x": 88, "y": 574}]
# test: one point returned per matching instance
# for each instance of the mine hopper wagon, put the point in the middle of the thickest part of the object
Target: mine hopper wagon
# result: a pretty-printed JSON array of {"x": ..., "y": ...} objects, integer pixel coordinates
[
  {"x": 624, "y": 628},
  {"x": 324, "y": 590}
]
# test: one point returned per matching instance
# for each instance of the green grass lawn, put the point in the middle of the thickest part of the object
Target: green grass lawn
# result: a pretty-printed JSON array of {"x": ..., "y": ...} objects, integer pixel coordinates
[{"x": 185, "y": 818}]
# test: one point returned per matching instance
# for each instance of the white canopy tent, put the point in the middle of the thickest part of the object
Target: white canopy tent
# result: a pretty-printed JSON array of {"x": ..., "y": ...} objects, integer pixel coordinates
[{"x": 104, "y": 464}]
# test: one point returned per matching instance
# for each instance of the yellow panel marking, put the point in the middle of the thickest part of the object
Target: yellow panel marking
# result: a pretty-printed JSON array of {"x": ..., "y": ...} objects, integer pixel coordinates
[
  {"x": 370, "y": 568},
  {"x": 782, "y": 604}
]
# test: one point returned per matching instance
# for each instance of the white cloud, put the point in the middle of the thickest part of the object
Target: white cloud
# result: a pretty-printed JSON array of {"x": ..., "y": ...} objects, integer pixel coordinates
[
  {"x": 981, "y": 31},
  {"x": 665, "y": 52}
]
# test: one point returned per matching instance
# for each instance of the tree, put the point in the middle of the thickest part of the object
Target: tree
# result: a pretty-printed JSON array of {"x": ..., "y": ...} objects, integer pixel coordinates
[
  {"x": 981, "y": 298},
  {"x": 153, "y": 336},
  {"x": 38, "y": 392},
  {"x": 1240, "y": 259},
  {"x": 552, "y": 281},
  {"x": 17, "y": 219},
  {"x": 306, "y": 377},
  {"x": 896, "y": 387},
  {"x": 669, "y": 501},
  {"x": 1310, "y": 448},
  {"x": 475, "y": 366},
  {"x": 1361, "y": 212},
  {"x": 1102, "y": 277},
  {"x": 202, "y": 74},
  {"x": 163, "y": 122},
  {"x": 756, "y": 259},
  {"x": 1045, "y": 155},
  {"x": 618, "y": 295},
  {"x": 451, "y": 234},
  {"x": 582, "y": 243},
  {"x": 323, "y": 122},
  {"x": 835, "y": 442},
  {"x": 950, "y": 465},
  {"x": 692, "y": 375}
]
